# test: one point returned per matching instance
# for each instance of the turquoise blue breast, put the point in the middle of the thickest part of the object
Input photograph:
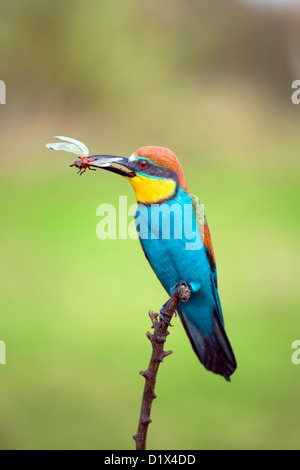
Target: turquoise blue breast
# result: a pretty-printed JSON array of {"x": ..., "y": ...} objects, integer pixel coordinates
[{"x": 172, "y": 242}]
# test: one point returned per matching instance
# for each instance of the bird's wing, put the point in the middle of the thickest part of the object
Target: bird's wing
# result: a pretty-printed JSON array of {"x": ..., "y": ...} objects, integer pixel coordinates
[
  {"x": 205, "y": 233},
  {"x": 206, "y": 238},
  {"x": 214, "y": 351}
]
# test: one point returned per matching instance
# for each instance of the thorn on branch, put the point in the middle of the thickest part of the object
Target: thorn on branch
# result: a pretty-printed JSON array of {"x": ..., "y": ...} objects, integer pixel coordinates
[
  {"x": 149, "y": 336},
  {"x": 153, "y": 317},
  {"x": 165, "y": 354},
  {"x": 145, "y": 373},
  {"x": 146, "y": 421}
]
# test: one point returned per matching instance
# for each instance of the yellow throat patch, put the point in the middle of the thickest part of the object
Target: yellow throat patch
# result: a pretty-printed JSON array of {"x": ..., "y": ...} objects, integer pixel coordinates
[{"x": 151, "y": 191}]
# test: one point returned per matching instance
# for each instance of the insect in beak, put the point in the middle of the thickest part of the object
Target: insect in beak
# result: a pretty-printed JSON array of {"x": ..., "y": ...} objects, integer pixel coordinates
[{"x": 116, "y": 164}]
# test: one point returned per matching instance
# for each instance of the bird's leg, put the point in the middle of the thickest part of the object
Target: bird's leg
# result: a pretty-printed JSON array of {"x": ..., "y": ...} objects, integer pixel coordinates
[
  {"x": 163, "y": 314},
  {"x": 177, "y": 288}
]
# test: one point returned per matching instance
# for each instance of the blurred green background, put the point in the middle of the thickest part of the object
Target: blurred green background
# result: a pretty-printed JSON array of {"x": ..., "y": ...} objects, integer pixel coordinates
[{"x": 212, "y": 81}]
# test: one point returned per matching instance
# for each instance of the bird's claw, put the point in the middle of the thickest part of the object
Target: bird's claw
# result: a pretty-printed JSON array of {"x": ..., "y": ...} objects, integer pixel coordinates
[
  {"x": 179, "y": 284},
  {"x": 162, "y": 316},
  {"x": 186, "y": 293}
]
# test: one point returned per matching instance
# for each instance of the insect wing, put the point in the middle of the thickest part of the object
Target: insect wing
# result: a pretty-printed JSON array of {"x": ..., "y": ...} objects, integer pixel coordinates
[
  {"x": 66, "y": 147},
  {"x": 84, "y": 150}
]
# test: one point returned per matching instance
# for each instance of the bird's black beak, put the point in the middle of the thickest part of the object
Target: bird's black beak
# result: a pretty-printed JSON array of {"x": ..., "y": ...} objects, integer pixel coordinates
[{"x": 119, "y": 165}]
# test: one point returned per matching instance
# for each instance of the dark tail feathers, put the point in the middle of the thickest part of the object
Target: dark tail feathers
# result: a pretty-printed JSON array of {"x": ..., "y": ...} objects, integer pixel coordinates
[{"x": 215, "y": 352}]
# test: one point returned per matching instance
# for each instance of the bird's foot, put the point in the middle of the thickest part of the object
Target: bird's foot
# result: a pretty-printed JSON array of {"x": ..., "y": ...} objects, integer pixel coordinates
[
  {"x": 163, "y": 315},
  {"x": 183, "y": 285}
]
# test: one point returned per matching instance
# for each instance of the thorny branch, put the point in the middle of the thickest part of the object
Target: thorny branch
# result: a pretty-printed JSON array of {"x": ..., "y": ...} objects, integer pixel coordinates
[{"x": 181, "y": 293}]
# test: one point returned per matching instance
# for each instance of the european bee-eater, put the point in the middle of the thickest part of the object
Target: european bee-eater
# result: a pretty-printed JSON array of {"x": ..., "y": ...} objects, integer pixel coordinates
[
  {"x": 176, "y": 240},
  {"x": 175, "y": 237}
]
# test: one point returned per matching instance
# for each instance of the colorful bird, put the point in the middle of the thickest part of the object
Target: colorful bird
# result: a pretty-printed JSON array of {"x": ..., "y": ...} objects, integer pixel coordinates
[{"x": 175, "y": 237}]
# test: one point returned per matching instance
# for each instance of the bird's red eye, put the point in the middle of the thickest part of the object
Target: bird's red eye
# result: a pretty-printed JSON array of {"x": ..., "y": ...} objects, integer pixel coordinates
[{"x": 142, "y": 164}]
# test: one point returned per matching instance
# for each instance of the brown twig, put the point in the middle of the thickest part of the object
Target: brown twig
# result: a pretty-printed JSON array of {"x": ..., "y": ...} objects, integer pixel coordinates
[{"x": 158, "y": 338}]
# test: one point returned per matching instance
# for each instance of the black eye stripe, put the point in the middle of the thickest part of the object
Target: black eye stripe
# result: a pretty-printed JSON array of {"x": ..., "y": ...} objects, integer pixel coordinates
[{"x": 153, "y": 170}]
